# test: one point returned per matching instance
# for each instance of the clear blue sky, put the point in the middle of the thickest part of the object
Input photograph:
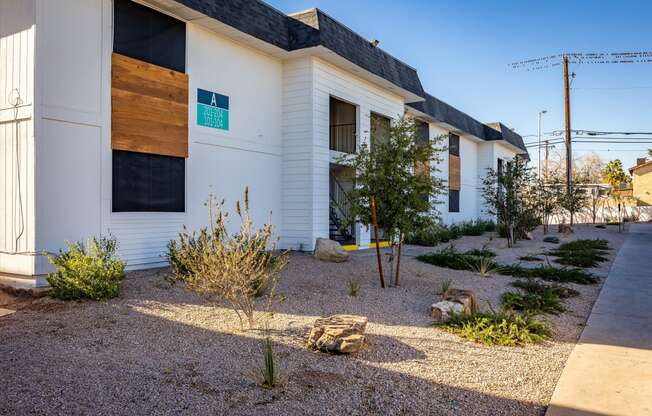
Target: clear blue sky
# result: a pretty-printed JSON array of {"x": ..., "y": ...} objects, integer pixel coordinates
[{"x": 462, "y": 49}]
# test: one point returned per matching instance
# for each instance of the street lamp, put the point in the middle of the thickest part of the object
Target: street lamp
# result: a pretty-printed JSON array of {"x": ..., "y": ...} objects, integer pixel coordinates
[{"x": 542, "y": 112}]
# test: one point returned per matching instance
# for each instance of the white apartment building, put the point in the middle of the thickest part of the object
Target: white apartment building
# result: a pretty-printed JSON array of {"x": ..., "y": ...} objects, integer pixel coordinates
[{"x": 121, "y": 117}]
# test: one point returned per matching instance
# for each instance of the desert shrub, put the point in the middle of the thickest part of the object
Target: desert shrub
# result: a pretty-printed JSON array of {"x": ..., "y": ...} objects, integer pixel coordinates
[
  {"x": 444, "y": 286},
  {"x": 450, "y": 258},
  {"x": 533, "y": 286},
  {"x": 581, "y": 253},
  {"x": 482, "y": 265},
  {"x": 480, "y": 252},
  {"x": 268, "y": 371},
  {"x": 546, "y": 301},
  {"x": 91, "y": 270},
  {"x": 503, "y": 328},
  {"x": 530, "y": 257},
  {"x": 235, "y": 268},
  {"x": 479, "y": 261},
  {"x": 549, "y": 273},
  {"x": 354, "y": 287},
  {"x": 429, "y": 236},
  {"x": 440, "y": 233}
]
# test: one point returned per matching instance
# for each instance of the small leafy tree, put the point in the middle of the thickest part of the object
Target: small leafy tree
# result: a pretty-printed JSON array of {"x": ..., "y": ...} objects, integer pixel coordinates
[
  {"x": 399, "y": 173},
  {"x": 235, "y": 268},
  {"x": 505, "y": 195},
  {"x": 574, "y": 200},
  {"x": 547, "y": 196}
]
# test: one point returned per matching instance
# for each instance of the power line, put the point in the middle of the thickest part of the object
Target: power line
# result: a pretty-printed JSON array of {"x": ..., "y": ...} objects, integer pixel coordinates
[{"x": 642, "y": 87}]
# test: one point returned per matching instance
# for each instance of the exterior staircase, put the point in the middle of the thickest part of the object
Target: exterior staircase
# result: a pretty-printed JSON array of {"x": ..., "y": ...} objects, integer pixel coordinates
[{"x": 338, "y": 212}]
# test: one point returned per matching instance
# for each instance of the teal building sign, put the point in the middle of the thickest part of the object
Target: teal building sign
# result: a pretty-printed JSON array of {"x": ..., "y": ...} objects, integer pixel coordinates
[{"x": 212, "y": 109}]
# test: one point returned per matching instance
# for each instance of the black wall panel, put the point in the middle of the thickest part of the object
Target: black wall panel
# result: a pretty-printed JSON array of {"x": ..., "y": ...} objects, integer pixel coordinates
[
  {"x": 146, "y": 182},
  {"x": 453, "y": 201},
  {"x": 143, "y": 33}
]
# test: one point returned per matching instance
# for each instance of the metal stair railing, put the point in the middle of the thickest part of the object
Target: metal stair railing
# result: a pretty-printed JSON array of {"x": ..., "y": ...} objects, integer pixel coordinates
[{"x": 339, "y": 206}]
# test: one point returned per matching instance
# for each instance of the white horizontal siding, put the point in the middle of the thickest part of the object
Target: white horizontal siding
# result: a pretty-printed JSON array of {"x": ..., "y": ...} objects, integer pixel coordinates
[{"x": 17, "y": 18}]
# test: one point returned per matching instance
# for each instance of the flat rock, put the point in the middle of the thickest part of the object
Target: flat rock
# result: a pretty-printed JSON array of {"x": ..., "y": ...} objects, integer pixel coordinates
[
  {"x": 329, "y": 250},
  {"x": 338, "y": 334},
  {"x": 551, "y": 239}
]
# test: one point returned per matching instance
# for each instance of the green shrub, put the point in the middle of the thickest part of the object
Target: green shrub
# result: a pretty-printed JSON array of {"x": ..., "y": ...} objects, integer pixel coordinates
[
  {"x": 498, "y": 328},
  {"x": 581, "y": 253},
  {"x": 533, "y": 286},
  {"x": 530, "y": 257},
  {"x": 549, "y": 273},
  {"x": 354, "y": 287},
  {"x": 480, "y": 252},
  {"x": 90, "y": 271},
  {"x": 439, "y": 233},
  {"x": 450, "y": 258},
  {"x": 546, "y": 301}
]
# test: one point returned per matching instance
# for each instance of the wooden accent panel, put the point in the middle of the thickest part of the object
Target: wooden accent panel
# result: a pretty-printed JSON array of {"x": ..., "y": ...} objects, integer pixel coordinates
[
  {"x": 454, "y": 181},
  {"x": 149, "y": 108}
]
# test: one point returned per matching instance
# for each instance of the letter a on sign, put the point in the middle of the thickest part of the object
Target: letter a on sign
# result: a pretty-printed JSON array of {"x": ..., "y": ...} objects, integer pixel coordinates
[{"x": 212, "y": 109}]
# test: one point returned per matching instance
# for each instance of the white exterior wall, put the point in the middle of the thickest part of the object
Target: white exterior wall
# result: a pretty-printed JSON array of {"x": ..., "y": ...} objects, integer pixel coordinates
[
  {"x": 17, "y": 44},
  {"x": 73, "y": 179},
  {"x": 308, "y": 83}
]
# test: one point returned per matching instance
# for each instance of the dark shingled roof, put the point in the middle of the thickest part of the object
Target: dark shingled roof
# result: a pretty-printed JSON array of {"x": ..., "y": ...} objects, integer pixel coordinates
[
  {"x": 314, "y": 27},
  {"x": 308, "y": 29},
  {"x": 508, "y": 135},
  {"x": 448, "y": 114}
]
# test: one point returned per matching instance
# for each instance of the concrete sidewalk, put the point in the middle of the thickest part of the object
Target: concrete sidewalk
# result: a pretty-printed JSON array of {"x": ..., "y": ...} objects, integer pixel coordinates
[{"x": 609, "y": 371}]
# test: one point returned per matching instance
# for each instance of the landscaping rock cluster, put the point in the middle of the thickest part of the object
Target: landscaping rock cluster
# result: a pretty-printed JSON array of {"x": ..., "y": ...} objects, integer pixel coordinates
[
  {"x": 329, "y": 250},
  {"x": 338, "y": 334},
  {"x": 454, "y": 301}
]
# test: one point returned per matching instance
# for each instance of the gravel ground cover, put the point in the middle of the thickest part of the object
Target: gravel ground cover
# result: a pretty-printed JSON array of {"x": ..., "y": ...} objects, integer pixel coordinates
[{"x": 159, "y": 349}]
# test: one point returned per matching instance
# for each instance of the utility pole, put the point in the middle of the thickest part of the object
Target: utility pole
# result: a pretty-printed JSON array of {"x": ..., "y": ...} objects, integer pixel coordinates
[
  {"x": 569, "y": 155},
  {"x": 545, "y": 167}
]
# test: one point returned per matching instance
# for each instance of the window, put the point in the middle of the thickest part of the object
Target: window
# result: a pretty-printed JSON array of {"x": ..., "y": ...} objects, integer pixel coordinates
[
  {"x": 453, "y": 200},
  {"x": 453, "y": 144},
  {"x": 145, "y": 34},
  {"x": 500, "y": 168},
  {"x": 423, "y": 133},
  {"x": 144, "y": 182},
  {"x": 380, "y": 129}
]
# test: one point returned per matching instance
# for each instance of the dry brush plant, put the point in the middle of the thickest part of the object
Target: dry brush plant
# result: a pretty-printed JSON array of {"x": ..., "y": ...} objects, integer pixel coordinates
[{"x": 234, "y": 267}]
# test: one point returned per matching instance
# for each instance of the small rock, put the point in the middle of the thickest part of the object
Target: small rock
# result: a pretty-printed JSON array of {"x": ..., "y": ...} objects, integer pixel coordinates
[
  {"x": 441, "y": 311},
  {"x": 462, "y": 296},
  {"x": 338, "y": 334},
  {"x": 551, "y": 239},
  {"x": 329, "y": 250}
]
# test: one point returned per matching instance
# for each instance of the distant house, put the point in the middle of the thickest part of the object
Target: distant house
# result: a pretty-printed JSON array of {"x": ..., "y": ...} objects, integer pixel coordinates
[
  {"x": 642, "y": 182},
  {"x": 121, "y": 116}
]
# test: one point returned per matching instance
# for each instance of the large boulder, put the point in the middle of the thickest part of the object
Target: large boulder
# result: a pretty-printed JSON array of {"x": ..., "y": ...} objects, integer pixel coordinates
[
  {"x": 338, "y": 334},
  {"x": 329, "y": 250}
]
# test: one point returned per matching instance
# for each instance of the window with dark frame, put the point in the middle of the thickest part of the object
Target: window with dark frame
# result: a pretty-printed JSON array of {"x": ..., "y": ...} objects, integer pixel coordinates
[
  {"x": 453, "y": 144},
  {"x": 453, "y": 200},
  {"x": 144, "y": 182}
]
